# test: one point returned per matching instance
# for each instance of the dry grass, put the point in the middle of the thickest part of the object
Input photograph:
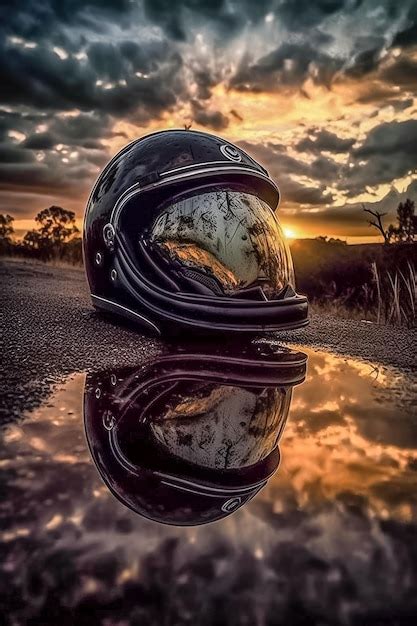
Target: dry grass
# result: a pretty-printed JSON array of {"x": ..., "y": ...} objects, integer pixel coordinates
[
  {"x": 391, "y": 299},
  {"x": 396, "y": 296}
]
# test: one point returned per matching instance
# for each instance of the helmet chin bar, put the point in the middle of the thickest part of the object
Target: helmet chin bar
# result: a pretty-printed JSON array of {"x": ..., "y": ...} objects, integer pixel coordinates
[
  {"x": 155, "y": 307},
  {"x": 205, "y": 312},
  {"x": 110, "y": 306}
]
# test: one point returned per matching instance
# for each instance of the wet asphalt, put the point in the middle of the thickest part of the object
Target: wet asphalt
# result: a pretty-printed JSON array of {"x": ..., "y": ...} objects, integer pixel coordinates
[{"x": 48, "y": 329}]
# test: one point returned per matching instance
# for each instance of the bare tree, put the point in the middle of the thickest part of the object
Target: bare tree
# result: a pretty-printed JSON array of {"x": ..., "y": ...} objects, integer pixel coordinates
[{"x": 378, "y": 223}]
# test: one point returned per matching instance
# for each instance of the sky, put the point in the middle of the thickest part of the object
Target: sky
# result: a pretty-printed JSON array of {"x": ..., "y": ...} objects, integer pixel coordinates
[{"x": 323, "y": 93}]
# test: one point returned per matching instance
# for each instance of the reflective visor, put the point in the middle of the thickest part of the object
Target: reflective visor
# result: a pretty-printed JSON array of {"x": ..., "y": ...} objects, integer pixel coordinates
[
  {"x": 227, "y": 241},
  {"x": 221, "y": 426}
]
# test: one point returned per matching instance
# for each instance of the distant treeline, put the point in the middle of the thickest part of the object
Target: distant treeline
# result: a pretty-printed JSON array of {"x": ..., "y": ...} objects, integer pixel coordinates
[{"x": 56, "y": 237}]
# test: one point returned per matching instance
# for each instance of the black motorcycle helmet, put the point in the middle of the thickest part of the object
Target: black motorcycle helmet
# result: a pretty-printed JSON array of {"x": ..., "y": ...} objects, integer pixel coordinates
[
  {"x": 180, "y": 234},
  {"x": 192, "y": 436}
]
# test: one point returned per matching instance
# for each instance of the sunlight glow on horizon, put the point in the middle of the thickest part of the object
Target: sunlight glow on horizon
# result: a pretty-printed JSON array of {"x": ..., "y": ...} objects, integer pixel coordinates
[{"x": 289, "y": 232}]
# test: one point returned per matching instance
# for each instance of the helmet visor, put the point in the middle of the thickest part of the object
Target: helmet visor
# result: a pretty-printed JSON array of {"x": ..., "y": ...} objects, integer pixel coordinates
[
  {"x": 221, "y": 426},
  {"x": 226, "y": 240}
]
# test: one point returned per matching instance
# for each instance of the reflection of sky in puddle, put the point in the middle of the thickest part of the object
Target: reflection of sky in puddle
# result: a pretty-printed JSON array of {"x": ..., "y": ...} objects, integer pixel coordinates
[{"x": 331, "y": 538}]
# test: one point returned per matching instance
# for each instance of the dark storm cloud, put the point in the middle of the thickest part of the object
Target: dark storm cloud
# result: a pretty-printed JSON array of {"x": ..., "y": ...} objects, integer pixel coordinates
[
  {"x": 304, "y": 13},
  {"x": 402, "y": 74},
  {"x": 294, "y": 192},
  {"x": 287, "y": 66},
  {"x": 408, "y": 35},
  {"x": 40, "y": 78},
  {"x": 71, "y": 180},
  {"x": 107, "y": 82},
  {"x": 99, "y": 78},
  {"x": 379, "y": 94},
  {"x": 13, "y": 154},
  {"x": 323, "y": 140},
  {"x": 365, "y": 62},
  {"x": 205, "y": 81},
  {"x": 285, "y": 169},
  {"x": 34, "y": 165},
  {"x": 40, "y": 141},
  {"x": 311, "y": 48},
  {"x": 350, "y": 216},
  {"x": 136, "y": 60},
  {"x": 51, "y": 174},
  {"x": 114, "y": 62},
  {"x": 400, "y": 105},
  {"x": 83, "y": 129},
  {"x": 58, "y": 21},
  {"x": 388, "y": 152},
  {"x": 226, "y": 17},
  {"x": 213, "y": 119},
  {"x": 394, "y": 138}
]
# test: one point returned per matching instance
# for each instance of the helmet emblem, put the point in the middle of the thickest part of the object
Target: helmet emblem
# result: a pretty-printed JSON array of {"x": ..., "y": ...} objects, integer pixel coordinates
[
  {"x": 232, "y": 504},
  {"x": 231, "y": 153}
]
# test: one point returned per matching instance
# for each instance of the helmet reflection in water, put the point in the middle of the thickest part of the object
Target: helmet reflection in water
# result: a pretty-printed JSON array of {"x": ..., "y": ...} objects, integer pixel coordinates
[{"x": 190, "y": 437}]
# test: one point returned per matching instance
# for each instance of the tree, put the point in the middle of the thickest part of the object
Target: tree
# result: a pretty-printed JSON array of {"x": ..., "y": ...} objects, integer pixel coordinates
[
  {"x": 6, "y": 232},
  {"x": 407, "y": 223},
  {"x": 406, "y": 230},
  {"x": 378, "y": 223},
  {"x": 331, "y": 240},
  {"x": 6, "y": 227},
  {"x": 56, "y": 225},
  {"x": 56, "y": 228}
]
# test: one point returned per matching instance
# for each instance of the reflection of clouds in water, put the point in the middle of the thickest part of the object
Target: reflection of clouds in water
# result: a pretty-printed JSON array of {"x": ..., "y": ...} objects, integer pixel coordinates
[
  {"x": 347, "y": 435},
  {"x": 331, "y": 539}
]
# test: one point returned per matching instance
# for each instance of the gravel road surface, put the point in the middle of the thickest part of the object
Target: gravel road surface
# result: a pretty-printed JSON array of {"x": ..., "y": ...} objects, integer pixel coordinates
[{"x": 49, "y": 329}]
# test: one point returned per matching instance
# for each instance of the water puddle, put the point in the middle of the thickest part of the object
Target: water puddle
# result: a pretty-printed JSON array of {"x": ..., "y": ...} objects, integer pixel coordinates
[{"x": 313, "y": 483}]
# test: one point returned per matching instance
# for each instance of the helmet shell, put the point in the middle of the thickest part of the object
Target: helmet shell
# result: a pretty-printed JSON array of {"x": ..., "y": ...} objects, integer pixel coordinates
[{"x": 168, "y": 162}]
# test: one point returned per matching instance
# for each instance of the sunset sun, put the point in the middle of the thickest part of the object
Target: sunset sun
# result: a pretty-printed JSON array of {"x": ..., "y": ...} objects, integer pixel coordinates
[{"x": 289, "y": 232}]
